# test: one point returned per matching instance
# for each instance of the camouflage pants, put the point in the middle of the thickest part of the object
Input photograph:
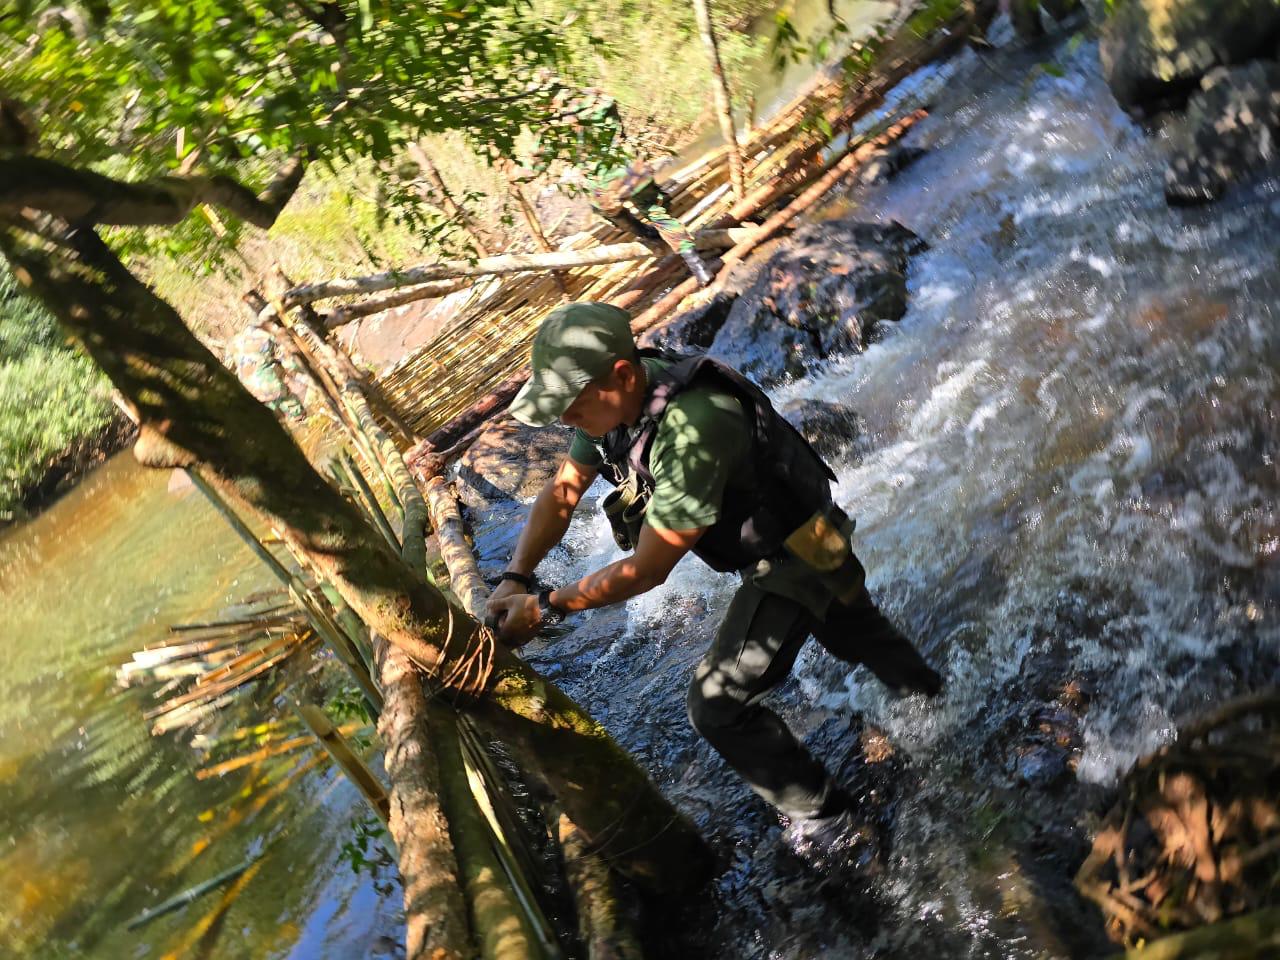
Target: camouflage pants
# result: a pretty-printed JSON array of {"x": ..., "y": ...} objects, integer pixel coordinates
[{"x": 647, "y": 207}]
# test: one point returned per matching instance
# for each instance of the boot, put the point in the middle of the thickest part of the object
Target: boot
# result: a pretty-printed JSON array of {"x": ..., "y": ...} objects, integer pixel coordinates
[{"x": 697, "y": 268}]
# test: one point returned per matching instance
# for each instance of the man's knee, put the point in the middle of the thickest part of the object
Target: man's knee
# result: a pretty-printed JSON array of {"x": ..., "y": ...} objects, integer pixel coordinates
[{"x": 709, "y": 705}]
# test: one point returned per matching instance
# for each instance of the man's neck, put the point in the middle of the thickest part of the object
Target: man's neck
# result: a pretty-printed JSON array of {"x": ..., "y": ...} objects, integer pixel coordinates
[{"x": 636, "y": 402}]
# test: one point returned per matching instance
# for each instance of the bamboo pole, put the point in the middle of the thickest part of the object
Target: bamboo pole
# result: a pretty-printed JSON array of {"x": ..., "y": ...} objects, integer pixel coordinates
[
  {"x": 190, "y": 895},
  {"x": 357, "y": 771},
  {"x": 724, "y": 106}
]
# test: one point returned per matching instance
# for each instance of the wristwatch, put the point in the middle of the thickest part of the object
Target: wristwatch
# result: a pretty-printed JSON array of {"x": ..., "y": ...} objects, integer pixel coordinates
[{"x": 551, "y": 614}]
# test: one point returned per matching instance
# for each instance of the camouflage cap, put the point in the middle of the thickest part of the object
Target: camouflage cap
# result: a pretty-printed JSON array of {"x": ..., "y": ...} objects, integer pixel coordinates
[{"x": 576, "y": 343}]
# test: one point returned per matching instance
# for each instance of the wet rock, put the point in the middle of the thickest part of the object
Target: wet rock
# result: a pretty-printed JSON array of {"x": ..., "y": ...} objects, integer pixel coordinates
[
  {"x": 1027, "y": 18},
  {"x": 1040, "y": 766},
  {"x": 694, "y": 330},
  {"x": 510, "y": 461},
  {"x": 1154, "y": 52},
  {"x": 829, "y": 427},
  {"x": 886, "y": 164},
  {"x": 1230, "y": 128},
  {"x": 821, "y": 294}
]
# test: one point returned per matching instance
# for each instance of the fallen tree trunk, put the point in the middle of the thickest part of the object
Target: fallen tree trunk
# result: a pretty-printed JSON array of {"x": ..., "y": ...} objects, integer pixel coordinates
[{"x": 435, "y": 913}]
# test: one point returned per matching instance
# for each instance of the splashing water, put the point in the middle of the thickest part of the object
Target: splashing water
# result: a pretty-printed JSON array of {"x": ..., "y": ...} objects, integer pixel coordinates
[{"x": 1068, "y": 477}]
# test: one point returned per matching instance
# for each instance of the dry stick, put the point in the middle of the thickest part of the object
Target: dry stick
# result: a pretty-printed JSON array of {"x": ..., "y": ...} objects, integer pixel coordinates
[
  {"x": 486, "y": 266},
  {"x": 532, "y": 222},
  {"x": 445, "y": 197},
  {"x": 427, "y": 291}
]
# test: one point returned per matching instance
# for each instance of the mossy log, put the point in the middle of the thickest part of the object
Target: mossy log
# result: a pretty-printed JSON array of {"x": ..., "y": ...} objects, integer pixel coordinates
[{"x": 1250, "y": 937}]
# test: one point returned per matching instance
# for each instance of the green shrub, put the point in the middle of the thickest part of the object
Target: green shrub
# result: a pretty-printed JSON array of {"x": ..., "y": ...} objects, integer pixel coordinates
[{"x": 51, "y": 396}]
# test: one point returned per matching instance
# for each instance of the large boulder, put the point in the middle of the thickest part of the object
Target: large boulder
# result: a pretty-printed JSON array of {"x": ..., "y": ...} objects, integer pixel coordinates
[
  {"x": 510, "y": 461},
  {"x": 1154, "y": 52},
  {"x": 821, "y": 294},
  {"x": 1230, "y": 128},
  {"x": 831, "y": 428}
]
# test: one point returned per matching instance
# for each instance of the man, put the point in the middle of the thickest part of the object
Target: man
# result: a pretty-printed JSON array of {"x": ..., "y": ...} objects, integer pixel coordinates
[
  {"x": 621, "y": 186},
  {"x": 702, "y": 463},
  {"x": 629, "y": 198}
]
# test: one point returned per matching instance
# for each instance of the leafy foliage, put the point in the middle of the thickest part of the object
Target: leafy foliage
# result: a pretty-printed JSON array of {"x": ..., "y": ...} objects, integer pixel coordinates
[
  {"x": 148, "y": 87},
  {"x": 50, "y": 395}
]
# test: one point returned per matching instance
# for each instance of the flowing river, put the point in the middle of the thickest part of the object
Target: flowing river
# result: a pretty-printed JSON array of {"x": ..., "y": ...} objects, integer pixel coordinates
[{"x": 1066, "y": 487}]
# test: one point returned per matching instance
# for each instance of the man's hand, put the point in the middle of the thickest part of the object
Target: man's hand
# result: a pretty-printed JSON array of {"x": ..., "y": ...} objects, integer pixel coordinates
[
  {"x": 506, "y": 588},
  {"x": 518, "y": 617}
]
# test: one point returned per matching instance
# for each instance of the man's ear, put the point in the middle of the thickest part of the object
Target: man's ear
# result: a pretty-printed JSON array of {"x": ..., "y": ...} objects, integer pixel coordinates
[{"x": 626, "y": 373}]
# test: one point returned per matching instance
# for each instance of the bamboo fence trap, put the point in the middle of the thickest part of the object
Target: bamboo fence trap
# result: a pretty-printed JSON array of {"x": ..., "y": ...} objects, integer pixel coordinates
[{"x": 487, "y": 342}]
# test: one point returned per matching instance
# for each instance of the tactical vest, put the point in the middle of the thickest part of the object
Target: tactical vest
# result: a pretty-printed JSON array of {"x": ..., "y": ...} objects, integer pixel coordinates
[{"x": 792, "y": 481}]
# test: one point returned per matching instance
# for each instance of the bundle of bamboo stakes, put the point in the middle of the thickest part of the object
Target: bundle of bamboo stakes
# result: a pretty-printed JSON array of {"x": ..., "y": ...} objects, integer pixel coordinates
[
  {"x": 488, "y": 340},
  {"x": 204, "y": 666}
]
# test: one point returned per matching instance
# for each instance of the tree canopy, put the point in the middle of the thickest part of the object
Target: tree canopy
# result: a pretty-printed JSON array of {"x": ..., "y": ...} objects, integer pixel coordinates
[{"x": 235, "y": 91}]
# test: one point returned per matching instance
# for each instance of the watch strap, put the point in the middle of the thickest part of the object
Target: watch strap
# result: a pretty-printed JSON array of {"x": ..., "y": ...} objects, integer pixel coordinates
[
  {"x": 550, "y": 612},
  {"x": 524, "y": 580}
]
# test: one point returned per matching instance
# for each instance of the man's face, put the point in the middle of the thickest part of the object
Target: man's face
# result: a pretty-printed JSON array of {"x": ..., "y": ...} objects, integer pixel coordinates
[{"x": 601, "y": 405}]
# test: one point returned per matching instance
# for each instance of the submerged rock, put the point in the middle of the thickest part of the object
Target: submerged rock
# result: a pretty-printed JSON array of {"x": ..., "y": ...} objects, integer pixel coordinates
[
  {"x": 1154, "y": 52},
  {"x": 821, "y": 294},
  {"x": 1230, "y": 128}
]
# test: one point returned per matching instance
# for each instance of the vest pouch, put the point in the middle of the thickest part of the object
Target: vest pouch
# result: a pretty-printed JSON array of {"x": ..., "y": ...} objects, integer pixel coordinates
[
  {"x": 624, "y": 508},
  {"x": 822, "y": 543}
]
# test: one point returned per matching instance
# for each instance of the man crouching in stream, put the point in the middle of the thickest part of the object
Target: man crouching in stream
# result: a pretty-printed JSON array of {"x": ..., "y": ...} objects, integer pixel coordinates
[{"x": 700, "y": 461}]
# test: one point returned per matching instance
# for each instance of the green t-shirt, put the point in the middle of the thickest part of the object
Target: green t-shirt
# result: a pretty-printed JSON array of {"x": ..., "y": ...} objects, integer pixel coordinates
[{"x": 699, "y": 451}]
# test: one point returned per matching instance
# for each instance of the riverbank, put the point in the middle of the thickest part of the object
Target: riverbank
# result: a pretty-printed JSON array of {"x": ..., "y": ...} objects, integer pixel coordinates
[{"x": 59, "y": 473}]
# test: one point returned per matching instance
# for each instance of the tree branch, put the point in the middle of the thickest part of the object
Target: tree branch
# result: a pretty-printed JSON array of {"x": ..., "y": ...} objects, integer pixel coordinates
[{"x": 85, "y": 197}]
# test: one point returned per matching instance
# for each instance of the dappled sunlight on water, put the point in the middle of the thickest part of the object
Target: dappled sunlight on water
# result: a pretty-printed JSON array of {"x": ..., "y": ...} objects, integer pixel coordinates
[{"x": 98, "y": 819}]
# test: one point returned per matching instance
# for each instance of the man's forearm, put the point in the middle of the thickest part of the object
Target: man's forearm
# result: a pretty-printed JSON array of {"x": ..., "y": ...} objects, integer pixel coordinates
[
  {"x": 619, "y": 581},
  {"x": 548, "y": 521}
]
